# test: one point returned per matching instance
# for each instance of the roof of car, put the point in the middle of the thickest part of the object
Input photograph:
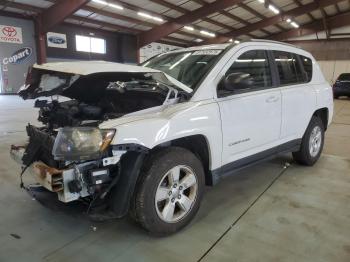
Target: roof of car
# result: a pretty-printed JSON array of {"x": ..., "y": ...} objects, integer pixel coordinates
[
  {"x": 226, "y": 45},
  {"x": 203, "y": 47},
  {"x": 270, "y": 42}
]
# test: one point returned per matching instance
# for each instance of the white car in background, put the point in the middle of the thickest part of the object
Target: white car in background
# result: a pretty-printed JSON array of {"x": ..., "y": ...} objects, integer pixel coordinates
[{"x": 147, "y": 139}]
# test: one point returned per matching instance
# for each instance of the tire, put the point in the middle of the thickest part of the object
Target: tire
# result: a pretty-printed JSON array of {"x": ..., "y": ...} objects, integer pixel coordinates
[
  {"x": 156, "y": 182},
  {"x": 311, "y": 146}
]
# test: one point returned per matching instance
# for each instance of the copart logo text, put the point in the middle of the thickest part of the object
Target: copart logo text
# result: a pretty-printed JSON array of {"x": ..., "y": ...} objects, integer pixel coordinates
[{"x": 19, "y": 56}]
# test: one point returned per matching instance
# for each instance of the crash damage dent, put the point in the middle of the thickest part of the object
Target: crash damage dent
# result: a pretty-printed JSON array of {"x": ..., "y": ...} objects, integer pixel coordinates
[
  {"x": 54, "y": 78},
  {"x": 73, "y": 180},
  {"x": 98, "y": 95},
  {"x": 53, "y": 179},
  {"x": 91, "y": 177}
]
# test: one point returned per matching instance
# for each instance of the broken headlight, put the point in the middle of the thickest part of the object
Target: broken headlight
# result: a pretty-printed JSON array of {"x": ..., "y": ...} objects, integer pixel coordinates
[{"x": 81, "y": 143}]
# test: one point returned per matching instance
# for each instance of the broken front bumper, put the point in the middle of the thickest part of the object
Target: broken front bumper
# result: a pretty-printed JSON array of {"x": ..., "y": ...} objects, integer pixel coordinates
[
  {"x": 58, "y": 181},
  {"x": 52, "y": 179}
]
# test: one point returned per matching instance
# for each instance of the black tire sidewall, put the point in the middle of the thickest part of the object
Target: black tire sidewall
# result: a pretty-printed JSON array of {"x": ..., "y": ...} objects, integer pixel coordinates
[
  {"x": 305, "y": 151},
  {"x": 159, "y": 165}
]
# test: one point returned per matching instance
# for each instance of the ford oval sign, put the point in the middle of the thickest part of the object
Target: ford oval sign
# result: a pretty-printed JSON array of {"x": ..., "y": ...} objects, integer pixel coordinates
[
  {"x": 56, "y": 40},
  {"x": 19, "y": 56}
]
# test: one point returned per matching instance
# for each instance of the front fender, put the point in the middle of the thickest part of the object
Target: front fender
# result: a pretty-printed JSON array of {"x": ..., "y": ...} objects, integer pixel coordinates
[{"x": 202, "y": 118}]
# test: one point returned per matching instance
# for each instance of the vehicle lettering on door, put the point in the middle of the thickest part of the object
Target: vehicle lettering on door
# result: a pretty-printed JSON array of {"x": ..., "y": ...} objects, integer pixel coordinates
[{"x": 239, "y": 141}]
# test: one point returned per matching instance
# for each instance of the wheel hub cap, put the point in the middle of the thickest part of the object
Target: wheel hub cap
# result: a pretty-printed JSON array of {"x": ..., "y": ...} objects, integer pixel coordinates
[
  {"x": 176, "y": 194},
  {"x": 315, "y": 141}
]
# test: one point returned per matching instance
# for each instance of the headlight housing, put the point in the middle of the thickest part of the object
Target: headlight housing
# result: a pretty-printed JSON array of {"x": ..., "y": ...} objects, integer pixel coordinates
[{"x": 81, "y": 143}]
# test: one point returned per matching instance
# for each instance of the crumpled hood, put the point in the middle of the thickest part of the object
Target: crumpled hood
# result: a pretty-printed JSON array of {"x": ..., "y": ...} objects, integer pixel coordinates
[
  {"x": 92, "y": 67},
  {"x": 83, "y": 69}
]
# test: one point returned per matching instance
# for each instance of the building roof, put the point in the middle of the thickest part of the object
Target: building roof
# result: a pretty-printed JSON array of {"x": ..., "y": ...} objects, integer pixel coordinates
[{"x": 188, "y": 22}]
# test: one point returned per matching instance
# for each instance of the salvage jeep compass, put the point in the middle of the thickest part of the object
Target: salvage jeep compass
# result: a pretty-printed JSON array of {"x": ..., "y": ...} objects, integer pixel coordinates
[{"x": 145, "y": 140}]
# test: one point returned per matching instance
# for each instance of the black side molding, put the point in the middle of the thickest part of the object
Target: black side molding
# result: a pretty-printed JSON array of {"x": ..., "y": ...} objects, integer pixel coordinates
[{"x": 234, "y": 167}]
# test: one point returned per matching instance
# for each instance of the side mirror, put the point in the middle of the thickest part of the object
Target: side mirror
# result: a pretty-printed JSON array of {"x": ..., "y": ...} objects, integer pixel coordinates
[{"x": 237, "y": 81}]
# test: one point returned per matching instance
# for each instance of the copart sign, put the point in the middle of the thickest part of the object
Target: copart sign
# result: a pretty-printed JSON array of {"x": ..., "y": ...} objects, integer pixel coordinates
[
  {"x": 19, "y": 56},
  {"x": 11, "y": 34}
]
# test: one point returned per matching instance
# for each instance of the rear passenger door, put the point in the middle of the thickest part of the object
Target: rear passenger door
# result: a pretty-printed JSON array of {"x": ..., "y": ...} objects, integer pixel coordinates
[
  {"x": 251, "y": 117},
  {"x": 298, "y": 97}
]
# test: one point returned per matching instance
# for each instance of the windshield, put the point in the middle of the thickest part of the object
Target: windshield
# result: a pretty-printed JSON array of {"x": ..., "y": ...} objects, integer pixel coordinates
[
  {"x": 187, "y": 67},
  {"x": 344, "y": 77}
]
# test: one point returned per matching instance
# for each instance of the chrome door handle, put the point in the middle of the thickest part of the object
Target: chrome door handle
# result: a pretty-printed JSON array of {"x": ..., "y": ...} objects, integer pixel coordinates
[{"x": 272, "y": 99}]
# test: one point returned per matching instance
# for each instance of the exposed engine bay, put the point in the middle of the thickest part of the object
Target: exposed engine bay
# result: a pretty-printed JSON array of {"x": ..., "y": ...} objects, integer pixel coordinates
[
  {"x": 57, "y": 114},
  {"x": 99, "y": 97}
]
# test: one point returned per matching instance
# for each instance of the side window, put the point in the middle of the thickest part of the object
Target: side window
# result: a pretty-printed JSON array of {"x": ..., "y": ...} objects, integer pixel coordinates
[
  {"x": 307, "y": 64},
  {"x": 254, "y": 67},
  {"x": 288, "y": 67}
]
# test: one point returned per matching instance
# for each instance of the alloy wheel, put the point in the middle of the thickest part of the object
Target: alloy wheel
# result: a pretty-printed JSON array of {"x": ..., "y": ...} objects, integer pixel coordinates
[
  {"x": 176, "y": 194},
  {"x": 315, "y": 141}
]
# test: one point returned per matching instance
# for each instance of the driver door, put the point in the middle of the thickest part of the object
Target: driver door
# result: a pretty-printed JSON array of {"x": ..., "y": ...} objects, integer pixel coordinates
[{"x": 251, "y": 117}]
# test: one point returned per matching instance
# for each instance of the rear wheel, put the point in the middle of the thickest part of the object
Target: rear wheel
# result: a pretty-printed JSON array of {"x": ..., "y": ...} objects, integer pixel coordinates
[
  {"x": 312, "y": 143},
  {"x": 169, "y": 192}
]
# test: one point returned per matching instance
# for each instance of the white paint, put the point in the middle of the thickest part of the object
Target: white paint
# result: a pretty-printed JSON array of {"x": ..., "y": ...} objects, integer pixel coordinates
[
  {"x": 235, "y": 126},
  {"x": 91, "y": 67},
  {"x": 248, "y": 117}
]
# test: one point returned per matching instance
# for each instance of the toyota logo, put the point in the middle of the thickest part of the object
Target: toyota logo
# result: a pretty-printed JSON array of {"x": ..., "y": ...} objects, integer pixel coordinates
[{"x": 9, "y": 31}]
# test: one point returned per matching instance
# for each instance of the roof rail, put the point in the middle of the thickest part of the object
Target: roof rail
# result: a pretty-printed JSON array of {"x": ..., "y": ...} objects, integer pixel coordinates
[{"x": 272, "y": 42}]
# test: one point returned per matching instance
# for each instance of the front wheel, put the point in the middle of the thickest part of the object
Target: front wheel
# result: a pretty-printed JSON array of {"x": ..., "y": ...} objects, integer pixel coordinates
[
  {"x": 169, "y": 192},
  {"x": 312, "y": 143}
]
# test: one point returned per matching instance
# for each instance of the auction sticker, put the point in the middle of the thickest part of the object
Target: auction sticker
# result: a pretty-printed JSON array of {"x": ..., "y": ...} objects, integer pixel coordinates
[{"x": 207, "y": 52}]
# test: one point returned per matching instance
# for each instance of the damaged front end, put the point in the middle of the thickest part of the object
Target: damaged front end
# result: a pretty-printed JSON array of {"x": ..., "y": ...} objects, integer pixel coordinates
[
  {"x": 70, "y": 155},
  {"x": 74, "y": 163},
  {"x": 105, "y": 177}
]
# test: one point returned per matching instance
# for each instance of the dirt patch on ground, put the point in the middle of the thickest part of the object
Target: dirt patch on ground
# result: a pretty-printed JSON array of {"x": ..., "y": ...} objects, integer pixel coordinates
[{"x": 294, "y": 204}]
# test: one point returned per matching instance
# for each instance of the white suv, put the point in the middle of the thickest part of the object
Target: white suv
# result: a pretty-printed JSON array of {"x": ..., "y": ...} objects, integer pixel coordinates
[{"x": 147, "y": 139}]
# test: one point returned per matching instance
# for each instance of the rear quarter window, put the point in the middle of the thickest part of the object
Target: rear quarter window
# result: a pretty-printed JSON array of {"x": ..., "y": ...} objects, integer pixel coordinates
[
  {"x": 307, "y": 64},
  {"x": 288, "y": 68}
]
